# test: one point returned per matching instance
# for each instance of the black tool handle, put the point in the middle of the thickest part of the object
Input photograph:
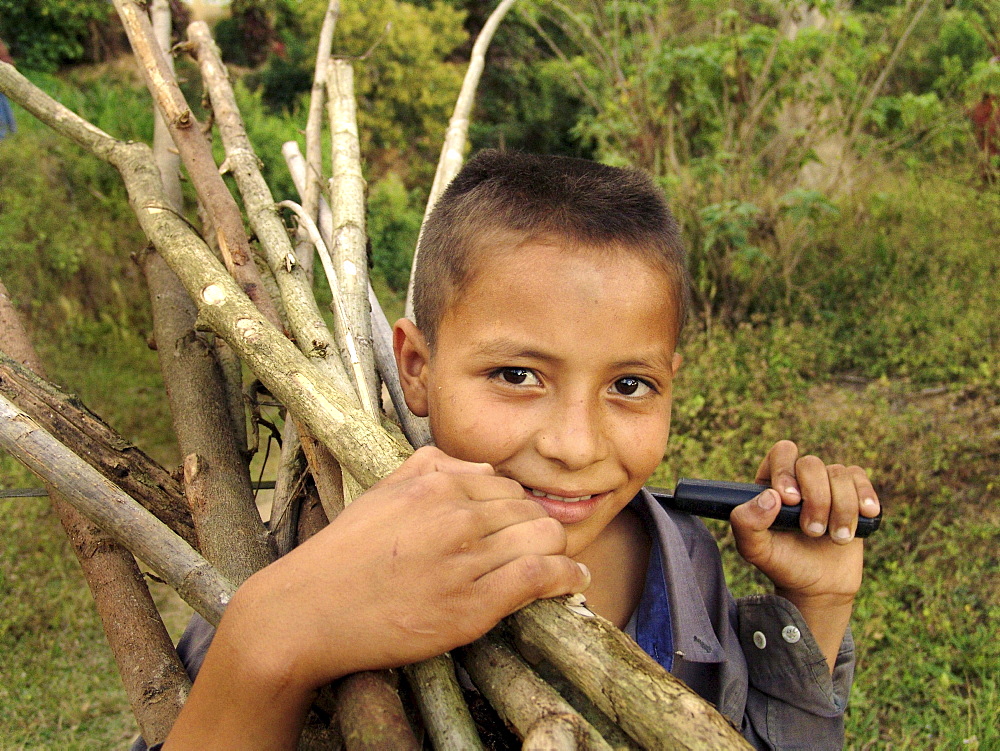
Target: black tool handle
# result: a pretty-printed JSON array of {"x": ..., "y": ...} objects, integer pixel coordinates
[{"x": 716, "y": 499}]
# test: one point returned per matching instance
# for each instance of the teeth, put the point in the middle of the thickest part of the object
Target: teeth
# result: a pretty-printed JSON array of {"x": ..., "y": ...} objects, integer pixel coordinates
[{"x": 550, "y": 496}]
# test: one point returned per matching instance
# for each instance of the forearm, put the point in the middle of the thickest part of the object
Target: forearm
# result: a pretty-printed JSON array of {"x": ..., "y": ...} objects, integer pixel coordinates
[
  {"x": 248, "y": 693},
  {"x": 827, "y": 616}
]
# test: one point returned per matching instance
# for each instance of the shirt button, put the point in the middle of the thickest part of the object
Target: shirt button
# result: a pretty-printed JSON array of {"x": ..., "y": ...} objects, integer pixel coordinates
[
  {"x": 759, "y": 639},
  {"x": 791, "y": 634}
]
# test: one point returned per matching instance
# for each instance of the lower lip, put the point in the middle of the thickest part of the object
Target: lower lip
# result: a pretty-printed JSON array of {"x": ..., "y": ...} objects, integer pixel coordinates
[{"x": 568, "y": 513}]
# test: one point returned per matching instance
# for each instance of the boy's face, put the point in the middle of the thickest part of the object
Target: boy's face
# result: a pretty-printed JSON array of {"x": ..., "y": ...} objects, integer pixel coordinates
[{"x": 556, "y": 367}]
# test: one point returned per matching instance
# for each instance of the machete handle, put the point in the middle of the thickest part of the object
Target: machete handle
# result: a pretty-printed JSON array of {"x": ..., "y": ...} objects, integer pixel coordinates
[{"x": 716, "y": 499}]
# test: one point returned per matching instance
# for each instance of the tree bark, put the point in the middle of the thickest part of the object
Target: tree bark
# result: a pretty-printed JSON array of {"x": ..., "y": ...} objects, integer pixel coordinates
[
  {"x": 371, "y": 715},
  {"x": 522, "y": 698},
  {"x": 196, "y": 155},
  {"x": 231, "y": 534},
  {"x": 98, "y": 444},
  {"x": 152, "y": 675},
  {"x": 442, "y": 705}
]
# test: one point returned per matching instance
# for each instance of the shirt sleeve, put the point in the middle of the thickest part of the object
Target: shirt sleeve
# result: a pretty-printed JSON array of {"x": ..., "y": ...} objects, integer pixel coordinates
[
  {"x": 793, "y": 701},
  {"x": 191, "y": 648}
]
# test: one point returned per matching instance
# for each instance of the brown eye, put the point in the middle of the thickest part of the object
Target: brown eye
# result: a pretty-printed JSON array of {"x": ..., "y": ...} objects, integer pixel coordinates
[
  {"x": 516, "y": 376},
  {"x": 631, "y": 386}
]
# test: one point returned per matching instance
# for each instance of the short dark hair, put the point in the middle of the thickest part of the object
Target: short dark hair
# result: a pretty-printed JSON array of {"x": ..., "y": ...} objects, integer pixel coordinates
[{"x": 508, "y": 198}]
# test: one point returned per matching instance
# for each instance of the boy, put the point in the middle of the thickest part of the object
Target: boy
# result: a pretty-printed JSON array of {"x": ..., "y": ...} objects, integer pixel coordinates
[{"x": 548, "y": 302}]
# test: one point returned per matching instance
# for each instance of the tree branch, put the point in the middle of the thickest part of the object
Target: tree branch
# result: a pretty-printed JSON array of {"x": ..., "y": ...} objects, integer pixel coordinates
[
  {"x": 453, "y": 149},
  {"x": 196, "y": 155}
]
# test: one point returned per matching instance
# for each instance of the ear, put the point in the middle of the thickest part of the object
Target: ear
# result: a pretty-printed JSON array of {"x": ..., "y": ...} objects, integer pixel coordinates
[
  {"x": 413, "y": 362},
  {"x": 675, "y": 364}
]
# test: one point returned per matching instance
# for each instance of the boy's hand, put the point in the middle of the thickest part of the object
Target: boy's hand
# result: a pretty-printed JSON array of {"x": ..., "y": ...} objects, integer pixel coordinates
[
  {"x": 428, "y": 559},
  {"x": 819, "y": 569}
]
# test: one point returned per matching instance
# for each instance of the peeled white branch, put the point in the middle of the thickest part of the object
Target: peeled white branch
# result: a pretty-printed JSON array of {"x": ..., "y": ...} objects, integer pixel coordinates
[
  {"x": 416, "y": 429},
  {"x": 339, "y": 309},
  {"x": 350, "y": 238},
  {"x": 453, "y": 149}
]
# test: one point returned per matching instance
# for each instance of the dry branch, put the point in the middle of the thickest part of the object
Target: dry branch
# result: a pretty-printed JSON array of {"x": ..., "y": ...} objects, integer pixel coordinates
[
  {"x": 371, "y": 715},
  {"x": 453, "y": 148},
  {"x": 170, "y": 558},
  {"x": 441, "y": 704},
  {"x": 196, "y": 155},
  {"x": 651, "y": 705},
  {"x": 230, "y": 532},
  {"x": 416, "y": 429},
  {"x": 522, "y": 698},
  {"x": 350, "y": 238},
  {"x": 152, "y": 675},
  {"x": 98, "y": 444}
]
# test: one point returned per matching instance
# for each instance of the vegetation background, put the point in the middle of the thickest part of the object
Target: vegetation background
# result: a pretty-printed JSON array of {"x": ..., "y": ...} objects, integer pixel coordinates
[{"x": 843, "y": 229}]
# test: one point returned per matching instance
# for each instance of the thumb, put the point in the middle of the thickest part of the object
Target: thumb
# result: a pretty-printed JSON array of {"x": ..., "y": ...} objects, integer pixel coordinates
[{"x": 751, "y": 522}]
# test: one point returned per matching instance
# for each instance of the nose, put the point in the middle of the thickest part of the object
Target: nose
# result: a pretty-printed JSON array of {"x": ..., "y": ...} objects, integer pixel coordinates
[{"x": 575, "y": 434}]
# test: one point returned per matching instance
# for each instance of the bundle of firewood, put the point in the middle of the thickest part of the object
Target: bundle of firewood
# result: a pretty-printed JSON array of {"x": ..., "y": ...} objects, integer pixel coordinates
[{"x": 219, "y": 305}]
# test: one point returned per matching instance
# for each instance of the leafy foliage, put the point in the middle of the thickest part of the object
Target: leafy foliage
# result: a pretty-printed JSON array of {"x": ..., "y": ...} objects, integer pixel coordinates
[{"x": 44, "y": 34}]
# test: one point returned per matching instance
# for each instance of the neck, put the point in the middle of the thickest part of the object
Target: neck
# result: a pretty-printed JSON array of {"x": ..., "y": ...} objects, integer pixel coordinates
[{"x": 617, "y": 561}]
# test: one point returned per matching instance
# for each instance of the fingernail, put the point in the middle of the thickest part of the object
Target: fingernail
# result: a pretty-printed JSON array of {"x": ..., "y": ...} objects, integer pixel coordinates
[
  {"x": 842, "y": 533},
  {"x": 869, "y": 503},
  {"x": 584, "y": 569},
  {"x": 816, "y": 528},
  {"x": 790, "y": 490},
  {"x": 766, "y": 500}
]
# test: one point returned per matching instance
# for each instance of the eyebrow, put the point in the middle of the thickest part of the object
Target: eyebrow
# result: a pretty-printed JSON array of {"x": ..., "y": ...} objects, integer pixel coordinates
[{"x": 509, "y": 349}]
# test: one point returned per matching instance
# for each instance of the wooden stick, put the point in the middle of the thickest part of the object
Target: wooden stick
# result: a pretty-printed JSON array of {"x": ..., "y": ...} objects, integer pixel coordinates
[
  {"x": 625, "y": 683},
  {"x": 371, "y": 715},
  {"x": 415, "y": 428},
  {"x": 196, "y": 154},
  {"x": 171, "y": 559},
  {"x": 304, "y": 317},
  {"x": 313, "y": 190},
  {"x": 230, "y": 530},
  {"x": 106, "y": 451},
  {"x": 520, "y": 696},
  {"x": 453, "y": 148},
  {"x": 350, "y": 238},
  {"x": 152, "y": 675},
  {"x": 442, "y": 706}
]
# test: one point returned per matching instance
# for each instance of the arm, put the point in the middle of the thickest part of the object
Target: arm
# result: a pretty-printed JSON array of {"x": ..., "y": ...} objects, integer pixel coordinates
[
  {"x": 819, "y": 569},
  {"x": 427, "y": 560}
]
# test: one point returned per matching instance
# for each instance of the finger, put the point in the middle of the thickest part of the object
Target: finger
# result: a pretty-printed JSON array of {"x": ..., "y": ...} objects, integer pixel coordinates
[
  {"x": 870, "y": 505},
  {"x": 844, "y": 504},
  {"x": 430, "y": 459},
  {"x": 541, "y": 536},
  {"x": 529, "y": 578},
  {"x": 499, "y": 514},
  {"x": 814, "y": 484},
  {"x": 778, "y": 471},
  {"x": 751, "y": 523}
]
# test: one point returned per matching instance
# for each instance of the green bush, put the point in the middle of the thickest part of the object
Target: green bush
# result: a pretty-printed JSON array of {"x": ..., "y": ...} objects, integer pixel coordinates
[{"x": 44, "y": 34}]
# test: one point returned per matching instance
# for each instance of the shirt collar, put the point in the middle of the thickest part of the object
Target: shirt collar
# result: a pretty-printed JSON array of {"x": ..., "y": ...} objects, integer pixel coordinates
[{"x": 693, "y": 636}]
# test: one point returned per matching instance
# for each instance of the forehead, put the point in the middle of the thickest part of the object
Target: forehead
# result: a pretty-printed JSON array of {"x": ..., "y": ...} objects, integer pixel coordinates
[{"x": 570, "y": 296}]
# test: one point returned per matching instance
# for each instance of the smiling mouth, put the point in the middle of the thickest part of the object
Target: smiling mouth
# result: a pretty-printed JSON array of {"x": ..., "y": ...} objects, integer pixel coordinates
[{"x": 554, "y": 497}]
